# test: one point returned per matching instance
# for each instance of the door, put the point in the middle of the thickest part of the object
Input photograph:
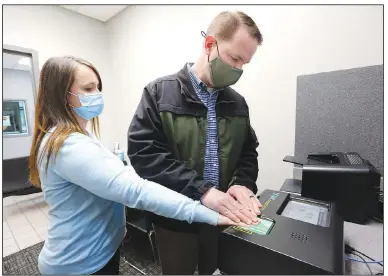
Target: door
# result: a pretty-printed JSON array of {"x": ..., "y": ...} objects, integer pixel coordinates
[{"x": 19, "y": 95}]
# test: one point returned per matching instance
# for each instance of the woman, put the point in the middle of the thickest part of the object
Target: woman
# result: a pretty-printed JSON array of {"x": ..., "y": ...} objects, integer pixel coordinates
[{"x": 84, "y": 184}]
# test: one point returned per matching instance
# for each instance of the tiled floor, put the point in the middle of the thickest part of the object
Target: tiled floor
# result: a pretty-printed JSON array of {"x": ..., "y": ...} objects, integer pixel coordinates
[{"x": 25, "y": 222}]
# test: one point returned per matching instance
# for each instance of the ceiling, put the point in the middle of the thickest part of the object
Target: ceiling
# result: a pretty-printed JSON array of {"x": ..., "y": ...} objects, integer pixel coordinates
[
  {"x": 17, "y": 62},
  {"x": 99, "y": 12}
]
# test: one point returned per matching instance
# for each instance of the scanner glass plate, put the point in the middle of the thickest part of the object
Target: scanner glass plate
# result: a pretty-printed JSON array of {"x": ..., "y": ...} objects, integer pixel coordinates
[
  {"x": 262, "y": 228},
  {"x": 307, "y": 212}
]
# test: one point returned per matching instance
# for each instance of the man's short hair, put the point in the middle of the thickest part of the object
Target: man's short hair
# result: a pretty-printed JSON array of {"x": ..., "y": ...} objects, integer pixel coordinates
[{"x": 225, "y": 24}]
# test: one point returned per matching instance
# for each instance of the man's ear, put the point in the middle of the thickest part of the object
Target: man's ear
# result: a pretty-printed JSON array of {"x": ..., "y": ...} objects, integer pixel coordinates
[{"x": 209, "y": 43}]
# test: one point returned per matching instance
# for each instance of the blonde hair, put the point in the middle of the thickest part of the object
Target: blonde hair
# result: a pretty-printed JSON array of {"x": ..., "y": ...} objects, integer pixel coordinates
[
  {"x": 225, "y": 24},
  {"x": 56, "y": 77}
]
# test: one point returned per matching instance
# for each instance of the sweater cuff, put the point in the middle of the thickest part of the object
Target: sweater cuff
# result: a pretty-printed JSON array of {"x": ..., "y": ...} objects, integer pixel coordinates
[{"x": 205, "y": 215}]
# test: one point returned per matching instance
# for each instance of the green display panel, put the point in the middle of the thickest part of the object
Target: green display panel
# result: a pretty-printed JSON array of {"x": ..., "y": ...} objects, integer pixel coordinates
[{"x": 262, "y": 228}]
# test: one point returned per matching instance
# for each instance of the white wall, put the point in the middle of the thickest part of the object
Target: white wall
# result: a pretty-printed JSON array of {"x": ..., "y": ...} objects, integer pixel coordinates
[
  {"x": 17, "y": 85},
  {"x": 54, "y": 31},
  {"x": 147, "y": 42}
]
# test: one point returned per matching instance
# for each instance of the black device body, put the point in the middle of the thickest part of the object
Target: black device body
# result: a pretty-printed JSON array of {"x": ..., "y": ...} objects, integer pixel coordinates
[
  {"x": 344, "y": 178},
  {"x": 291, "y": 247}
]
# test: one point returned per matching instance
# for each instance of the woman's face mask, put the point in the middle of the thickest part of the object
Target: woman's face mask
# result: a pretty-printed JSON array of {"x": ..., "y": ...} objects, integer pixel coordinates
[{"x": 92, "y": 105}]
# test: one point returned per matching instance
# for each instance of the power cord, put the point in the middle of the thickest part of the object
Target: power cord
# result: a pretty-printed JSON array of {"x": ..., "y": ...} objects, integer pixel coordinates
[
  {"x": 378, "y": 219},
  {"x": 364, "y": 261},
  {"x": 351, "y": 250}
]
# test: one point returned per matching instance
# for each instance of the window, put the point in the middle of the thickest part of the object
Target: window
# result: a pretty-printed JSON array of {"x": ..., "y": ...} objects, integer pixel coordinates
[
  {"x": 20, "y": 73},
  {"x": 15, "y": 118}
]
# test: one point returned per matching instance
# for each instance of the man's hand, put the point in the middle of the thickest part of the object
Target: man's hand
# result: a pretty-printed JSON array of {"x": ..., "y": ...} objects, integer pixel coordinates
[
  {"x": 226, "y": 205},
  {"x": 246, "y": 198}
]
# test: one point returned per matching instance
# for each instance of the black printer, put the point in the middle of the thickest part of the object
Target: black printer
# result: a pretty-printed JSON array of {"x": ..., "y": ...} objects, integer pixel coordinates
[
  {"x": 296, "y": 236},
  {"x": 350, "y": 181}
]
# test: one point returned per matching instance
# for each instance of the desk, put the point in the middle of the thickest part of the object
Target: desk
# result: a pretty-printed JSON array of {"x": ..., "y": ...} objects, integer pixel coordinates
[{"x": 367, "y": 238}]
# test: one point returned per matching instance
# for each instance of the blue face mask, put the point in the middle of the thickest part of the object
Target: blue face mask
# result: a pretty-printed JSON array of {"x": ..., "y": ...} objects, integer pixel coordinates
[{"x": 92, "y": 105}]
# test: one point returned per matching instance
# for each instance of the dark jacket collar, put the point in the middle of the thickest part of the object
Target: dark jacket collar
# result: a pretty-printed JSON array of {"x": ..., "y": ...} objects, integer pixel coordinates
[{"x": 187, "y": 86}]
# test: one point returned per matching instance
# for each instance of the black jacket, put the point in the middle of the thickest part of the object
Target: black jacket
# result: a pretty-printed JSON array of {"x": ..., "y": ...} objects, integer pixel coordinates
[{"x": 167, "y": 137}]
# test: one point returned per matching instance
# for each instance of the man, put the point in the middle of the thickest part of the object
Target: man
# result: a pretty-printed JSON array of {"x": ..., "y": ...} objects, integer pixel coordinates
[{"x": 191, "y": 133}]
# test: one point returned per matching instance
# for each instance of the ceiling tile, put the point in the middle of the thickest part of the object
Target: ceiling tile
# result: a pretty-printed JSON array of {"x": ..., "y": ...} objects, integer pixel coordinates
[{"x": 99, "y": 12}]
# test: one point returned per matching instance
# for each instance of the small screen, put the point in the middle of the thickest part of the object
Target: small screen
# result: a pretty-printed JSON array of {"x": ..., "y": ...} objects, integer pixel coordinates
[
  {"x": 307, "y": 211},
  {"x": 262, "y": 228}
]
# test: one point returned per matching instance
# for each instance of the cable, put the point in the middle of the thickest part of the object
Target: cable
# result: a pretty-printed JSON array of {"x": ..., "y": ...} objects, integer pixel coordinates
[
  {"x": 366, "y": 263},
  {"x": 378, "y": 219},
  {"x": 368, "y": 257},
  {"x": 350, "y": 250}
]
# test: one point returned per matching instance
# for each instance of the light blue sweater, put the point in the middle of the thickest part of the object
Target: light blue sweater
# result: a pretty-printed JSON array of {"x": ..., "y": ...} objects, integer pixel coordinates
[{"x": 86, "y": 188}]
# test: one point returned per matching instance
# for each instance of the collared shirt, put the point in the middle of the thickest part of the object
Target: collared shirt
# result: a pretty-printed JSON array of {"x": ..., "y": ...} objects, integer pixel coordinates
[{"x": 208, "y": 96}]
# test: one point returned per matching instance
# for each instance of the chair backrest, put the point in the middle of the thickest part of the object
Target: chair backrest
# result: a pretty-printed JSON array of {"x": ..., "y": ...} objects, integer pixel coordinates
[
  {"x": 138, "y": 217},
  {"x": 134, "y": 213},
  {"x": 15, "y": 177},
  {"x": 16, "y": 169}
]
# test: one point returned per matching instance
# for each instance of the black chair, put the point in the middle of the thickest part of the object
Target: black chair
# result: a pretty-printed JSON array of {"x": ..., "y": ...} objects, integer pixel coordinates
[
  {"x": 15, "y": 177},
  {"x": 138, "y": 219}
]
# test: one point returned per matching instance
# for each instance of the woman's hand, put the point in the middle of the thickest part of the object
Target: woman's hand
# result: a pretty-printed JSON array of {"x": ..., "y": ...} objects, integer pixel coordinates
[{"x": 222, "y": 220}]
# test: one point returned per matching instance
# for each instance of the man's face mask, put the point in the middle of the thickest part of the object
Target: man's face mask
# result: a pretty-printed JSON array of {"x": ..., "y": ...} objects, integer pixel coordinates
[
  {"x": 92, "y": 105},
  {"x": 222, "y": 74}
]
